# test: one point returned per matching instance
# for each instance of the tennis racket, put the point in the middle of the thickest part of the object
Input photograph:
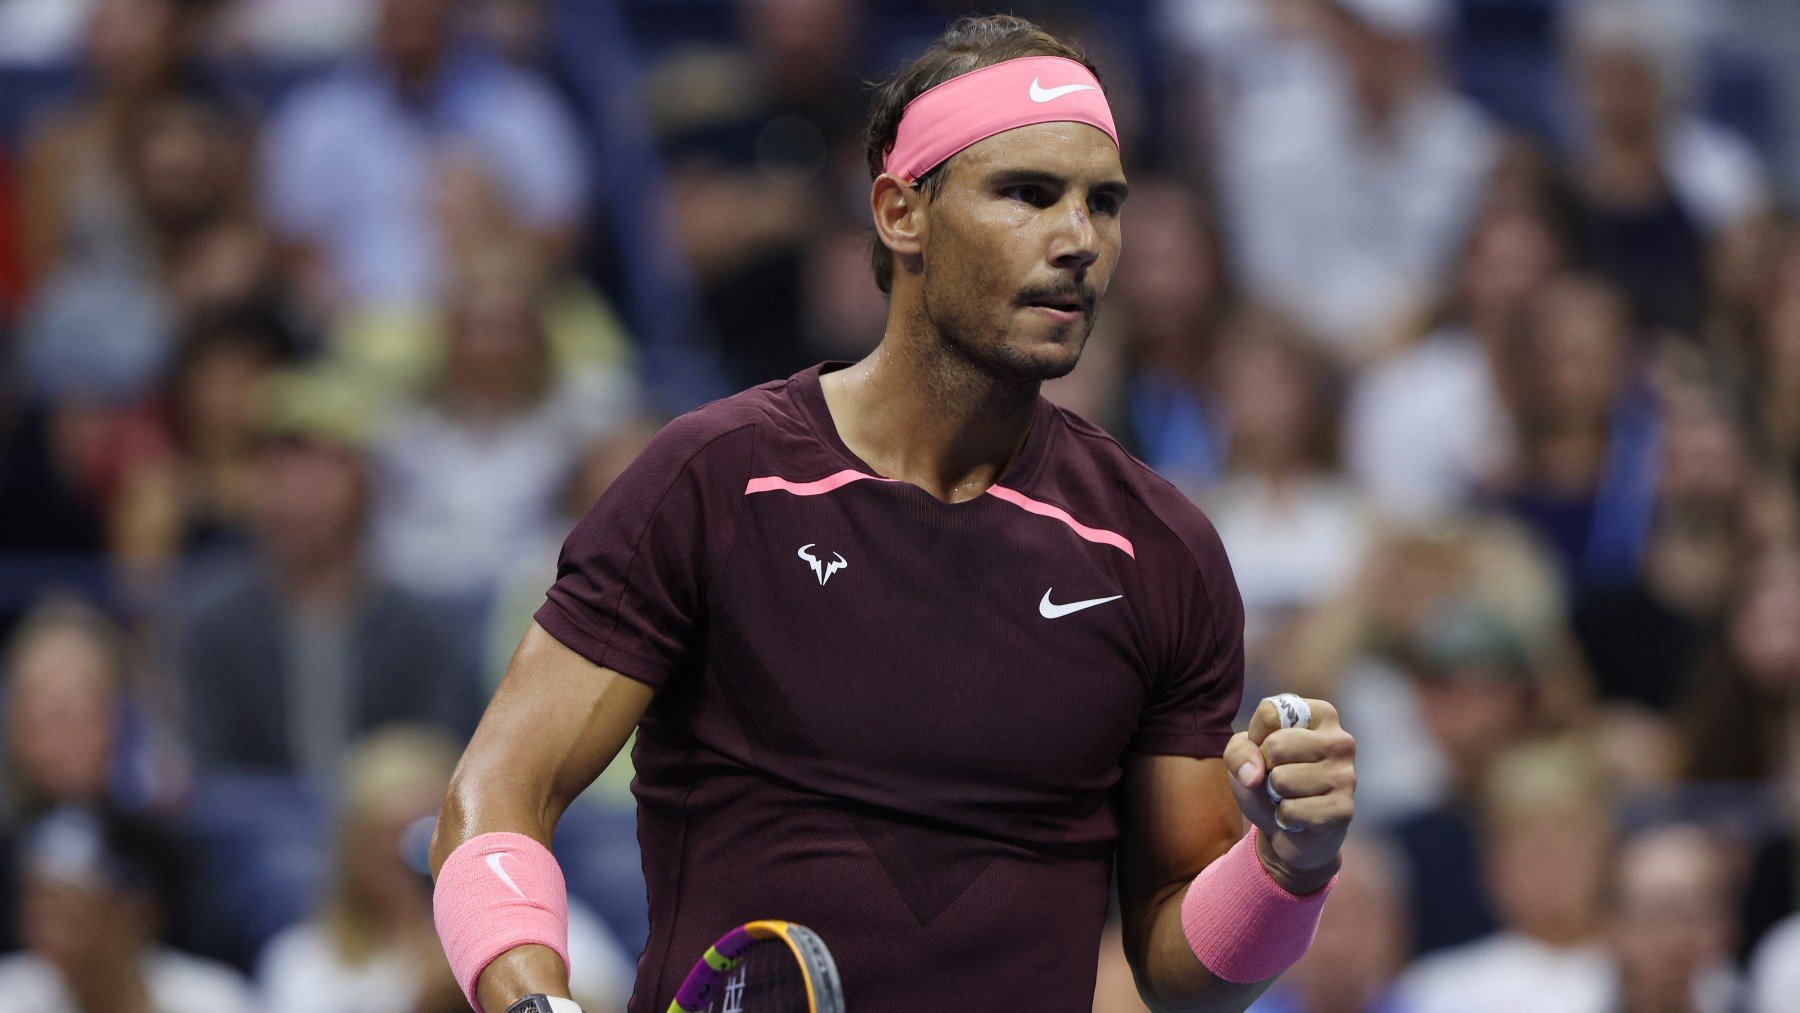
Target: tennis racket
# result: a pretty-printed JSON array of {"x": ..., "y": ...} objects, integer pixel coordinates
[{"x": 763, "y": 967}]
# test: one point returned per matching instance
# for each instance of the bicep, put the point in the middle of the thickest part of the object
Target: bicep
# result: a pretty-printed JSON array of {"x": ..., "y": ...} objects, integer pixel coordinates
[
  {"x": 1177, "y": 816},
  {"x": 553, "y": 725}
]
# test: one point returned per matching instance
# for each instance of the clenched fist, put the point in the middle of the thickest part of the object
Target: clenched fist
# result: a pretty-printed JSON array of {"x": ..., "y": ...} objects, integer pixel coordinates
[{"x": 1312, "y": 768}]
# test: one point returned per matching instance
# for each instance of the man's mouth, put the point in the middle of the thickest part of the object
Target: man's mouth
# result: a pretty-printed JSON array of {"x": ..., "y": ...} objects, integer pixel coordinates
[{"x": 1066, "y": 306}]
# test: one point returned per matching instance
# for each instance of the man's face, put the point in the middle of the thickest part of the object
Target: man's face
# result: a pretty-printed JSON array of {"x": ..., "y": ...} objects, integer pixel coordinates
[{"x": 1019, "y": 245}]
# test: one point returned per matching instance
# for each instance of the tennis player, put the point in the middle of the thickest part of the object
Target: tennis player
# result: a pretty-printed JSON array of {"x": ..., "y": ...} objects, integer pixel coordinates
[{"x": 913, "y": 655}]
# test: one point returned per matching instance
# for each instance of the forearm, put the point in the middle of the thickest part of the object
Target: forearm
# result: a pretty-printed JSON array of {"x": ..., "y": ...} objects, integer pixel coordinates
[
  {"x": 1172, "y": 980},
  {"x": 469, "y": 811},
  {"x": 1247, "y": 917},
  {"x": 522, "y": 971},
  {"x": 555, "y": 722}
]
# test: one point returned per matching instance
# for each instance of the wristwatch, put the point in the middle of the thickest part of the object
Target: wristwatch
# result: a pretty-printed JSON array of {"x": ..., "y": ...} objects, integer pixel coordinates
[{"x": 541, "y": 1003}]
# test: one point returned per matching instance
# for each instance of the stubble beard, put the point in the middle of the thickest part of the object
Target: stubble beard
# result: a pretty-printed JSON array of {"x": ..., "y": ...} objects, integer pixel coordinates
[{"x": 983, "y": 345}]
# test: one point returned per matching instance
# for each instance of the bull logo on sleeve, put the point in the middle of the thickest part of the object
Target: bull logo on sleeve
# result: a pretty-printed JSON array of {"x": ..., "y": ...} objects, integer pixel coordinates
[{"x": 822, "y": 569}]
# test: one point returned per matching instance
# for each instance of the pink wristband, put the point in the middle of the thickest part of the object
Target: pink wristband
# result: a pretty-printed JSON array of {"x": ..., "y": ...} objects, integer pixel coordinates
[
  {"x": 1242, "y": 925},
  {"x": 495, "y": 892}
]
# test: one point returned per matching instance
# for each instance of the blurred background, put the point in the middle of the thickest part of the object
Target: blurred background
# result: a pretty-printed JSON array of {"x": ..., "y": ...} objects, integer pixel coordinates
[{"x": 1473, "y": 324}]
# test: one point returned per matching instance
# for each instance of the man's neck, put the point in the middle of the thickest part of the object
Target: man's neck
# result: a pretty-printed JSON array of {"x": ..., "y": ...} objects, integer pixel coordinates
[{"x": 919, "y": 411}]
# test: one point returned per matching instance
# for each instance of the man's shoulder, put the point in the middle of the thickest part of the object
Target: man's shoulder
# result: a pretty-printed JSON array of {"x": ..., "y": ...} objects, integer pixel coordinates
[
  {"x": 766, "y": 411},
  {"x": 1089, "y": 465}
]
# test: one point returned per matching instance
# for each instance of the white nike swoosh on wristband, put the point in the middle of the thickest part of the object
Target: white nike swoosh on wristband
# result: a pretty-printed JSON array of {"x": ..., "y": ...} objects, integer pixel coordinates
[
  {"x": 1050, "y": 610},
  {"x": 494, "y": 864},
  {"x": 1041, "y": 94}
]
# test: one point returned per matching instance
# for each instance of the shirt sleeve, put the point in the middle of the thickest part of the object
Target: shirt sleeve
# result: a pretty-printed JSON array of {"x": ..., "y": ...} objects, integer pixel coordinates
[
  {"x": 1199, "y": 678},
  {"x": 630, "y": 587}
]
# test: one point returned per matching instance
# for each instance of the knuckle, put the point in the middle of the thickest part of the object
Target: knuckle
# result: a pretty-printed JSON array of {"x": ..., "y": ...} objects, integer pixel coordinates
[{"x": 1280, "y": 780}]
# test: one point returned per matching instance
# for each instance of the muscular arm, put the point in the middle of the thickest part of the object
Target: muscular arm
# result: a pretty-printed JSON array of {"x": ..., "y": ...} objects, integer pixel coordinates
[
  {"x": 1180, "y": 814},
  {"x": 554, "y": 724}
]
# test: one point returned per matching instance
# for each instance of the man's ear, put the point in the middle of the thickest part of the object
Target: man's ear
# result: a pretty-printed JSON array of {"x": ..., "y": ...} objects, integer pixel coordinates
[{"x": 899, "y": 212}]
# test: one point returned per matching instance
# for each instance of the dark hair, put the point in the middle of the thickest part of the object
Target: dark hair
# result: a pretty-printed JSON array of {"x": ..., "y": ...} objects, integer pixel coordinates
[{"x": 969, "y": 44}]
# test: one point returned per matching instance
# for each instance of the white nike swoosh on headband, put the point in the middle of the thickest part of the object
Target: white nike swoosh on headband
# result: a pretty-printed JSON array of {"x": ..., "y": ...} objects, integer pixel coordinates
[{"x": 1041, "y": 94}]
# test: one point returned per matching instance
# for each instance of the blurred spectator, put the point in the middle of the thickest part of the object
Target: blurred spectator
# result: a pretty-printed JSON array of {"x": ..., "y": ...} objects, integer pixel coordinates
[
  {"x": 1429, "y": 426},
  {"x": 1735, "y": 720},
  {"x": 1775, "y": 969},
  {"x": 1293, "y": 526},
  {"x": 1355, "y": 650},
  {"x": 1765, "y": 348},
  {"x": 468, "y": 480},
  {"x": 763, "y": 146},
  {"x": 97, "y": 888},
  {"x": 41, "y": 32},
  {"x": 1478, "y": 698},
  {"x": 299, "y": 31},
  {"x": 372, "y": 947},
  {"x": 1641, "y": 639},
  {"x": 1657, "y": 180},
  {"x": 186, "y": 464},
  {"x": 351, "y": 161},
  {"x": 1671, "y": 925},
  {"x": 1361, "y": 945},
  {"x": 76, "y": 195},
  {"x": 1173, "y": 297},
  {"x": 46, "y": 505},
  {"x": 1742, "y": 696},
  {"x": 1346, "y": 165},
  {"x": 74, "y": 735},
  {"x": 103, "y": 319},
  {"x": 1548, "y": 835},
  {"x": 399, "y": 353},
  {"x": 1582, "y": 471},
  {"x": 285, "y": 660}
]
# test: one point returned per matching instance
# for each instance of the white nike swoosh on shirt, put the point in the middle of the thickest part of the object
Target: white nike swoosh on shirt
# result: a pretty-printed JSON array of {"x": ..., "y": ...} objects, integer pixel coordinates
[
  {"x": 494, "y": 864},
  {"x": 1041, "y": 94},
  {"x": 1050, "y": 610}
]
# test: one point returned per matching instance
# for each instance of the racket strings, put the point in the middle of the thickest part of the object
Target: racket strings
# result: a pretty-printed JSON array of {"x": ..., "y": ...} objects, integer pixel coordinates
[{"x": 767, "y": 981}]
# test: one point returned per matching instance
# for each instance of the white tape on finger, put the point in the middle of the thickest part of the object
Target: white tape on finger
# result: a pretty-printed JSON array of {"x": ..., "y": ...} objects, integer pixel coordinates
[{"x": 1294, "y": 712}]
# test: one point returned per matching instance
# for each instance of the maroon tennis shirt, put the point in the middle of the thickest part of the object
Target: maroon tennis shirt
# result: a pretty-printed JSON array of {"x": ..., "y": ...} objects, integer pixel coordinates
[{"x": 895, "y": 720}]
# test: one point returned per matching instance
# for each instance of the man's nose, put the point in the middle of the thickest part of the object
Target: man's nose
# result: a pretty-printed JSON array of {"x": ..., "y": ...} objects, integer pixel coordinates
[{"x": 1076, "y": 243}]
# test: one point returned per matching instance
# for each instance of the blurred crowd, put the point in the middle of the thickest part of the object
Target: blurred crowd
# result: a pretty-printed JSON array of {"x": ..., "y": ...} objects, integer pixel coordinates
[{"x": 1474, "y": 325}]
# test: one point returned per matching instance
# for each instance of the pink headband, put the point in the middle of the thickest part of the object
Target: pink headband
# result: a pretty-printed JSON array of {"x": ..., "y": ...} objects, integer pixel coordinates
[{"x": 947, "y": 118}]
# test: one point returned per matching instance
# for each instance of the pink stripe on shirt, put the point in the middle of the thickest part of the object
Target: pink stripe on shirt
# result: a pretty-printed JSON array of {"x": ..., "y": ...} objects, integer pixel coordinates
[
  {"x": 1042, "y": 509},
  {"x": 819, "y": 487}
]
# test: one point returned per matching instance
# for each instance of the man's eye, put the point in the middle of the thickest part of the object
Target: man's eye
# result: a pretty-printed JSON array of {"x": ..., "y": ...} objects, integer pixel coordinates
[
  {"x": 1027, "y": 192},
  {"x": 1103, "y": 204}
]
